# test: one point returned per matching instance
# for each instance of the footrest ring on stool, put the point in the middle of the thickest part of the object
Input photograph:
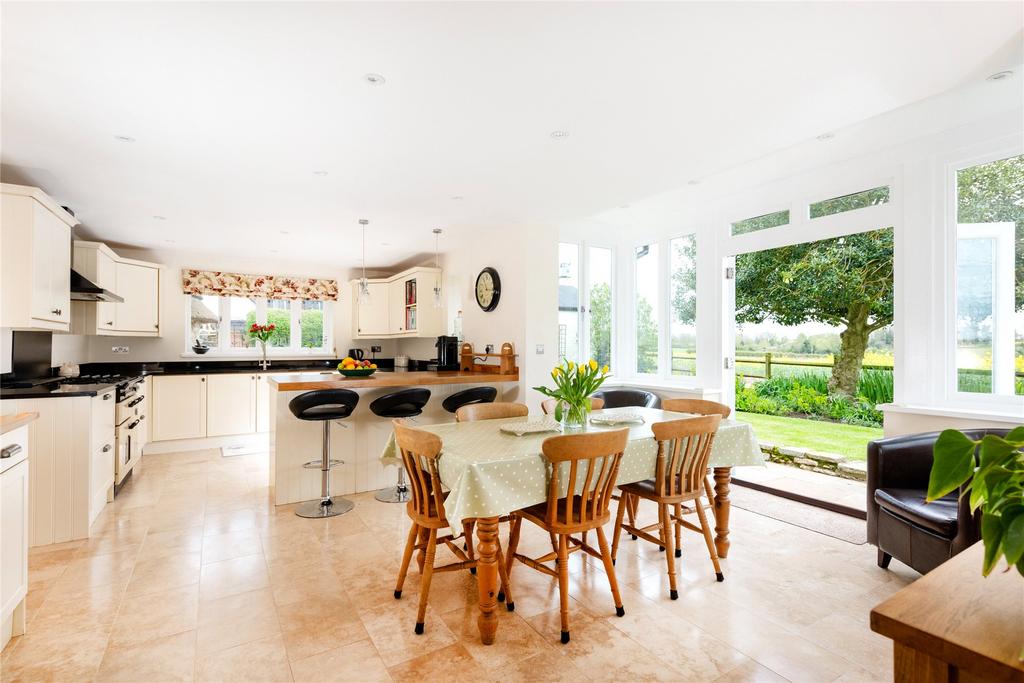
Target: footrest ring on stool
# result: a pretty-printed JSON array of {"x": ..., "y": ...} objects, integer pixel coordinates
[{"x": 318, "y": 464}]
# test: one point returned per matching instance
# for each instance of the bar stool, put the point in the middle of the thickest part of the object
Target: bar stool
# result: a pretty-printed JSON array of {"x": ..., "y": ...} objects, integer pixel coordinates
[
  {"x": 323, "y": 406},
  {"x": 469, "y": 397},
  {"x": 401, "y": 404}
]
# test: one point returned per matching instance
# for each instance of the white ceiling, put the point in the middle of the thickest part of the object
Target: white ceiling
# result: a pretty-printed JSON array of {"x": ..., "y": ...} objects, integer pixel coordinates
[{"x": 233, "y": 106}]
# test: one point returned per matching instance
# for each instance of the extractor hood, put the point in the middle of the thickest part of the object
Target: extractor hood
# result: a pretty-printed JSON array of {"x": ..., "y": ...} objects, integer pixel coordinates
[{"x": 83, "y": 290}]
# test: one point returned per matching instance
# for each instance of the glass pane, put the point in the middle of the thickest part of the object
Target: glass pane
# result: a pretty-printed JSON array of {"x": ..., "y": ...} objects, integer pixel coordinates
[
  {"x": 849, "y": 202},
  {"x": 311, "y": 323},
  {"x": 569, "y": 301},
  {"x": 684, "y": 305},
  {"x": 205, "y": 320},
  {"x": 242, "y": 316},
  {"x": 648, "y": 309},
  {"x": 990, "y": 278},
  {"x": 279, "y": 313},
  {"x": 600, "y": 268},
  {"x": 769, "y": 220}
]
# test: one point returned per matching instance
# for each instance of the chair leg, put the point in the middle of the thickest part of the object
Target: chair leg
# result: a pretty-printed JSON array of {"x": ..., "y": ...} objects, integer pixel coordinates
[
  {"x": 563, "y": 584},
  {"x": 709, "y": 491},
  {"x": 709, "y": 540},
  {"x": 406, "y": 557},
  {"x": 634, "y": 510},
  {"x": 618, "y": 525},
  {"x": 428, "y": 574},
  {"x": 424, "y": 533},
  {"x": 467, "y": 532},
  {"x": 665, "y": 521},
  {"x": 513, "y": 543},
  {"x": 883, "y": 559},
  {"x": 506, "y": 585},
  {"x": 610, "y": 570},
  {"x": 679, "y": 530}
]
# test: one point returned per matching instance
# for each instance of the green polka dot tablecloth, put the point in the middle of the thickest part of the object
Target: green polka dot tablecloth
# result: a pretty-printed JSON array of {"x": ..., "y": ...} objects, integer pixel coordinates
[{"x": 490, "y": 473}]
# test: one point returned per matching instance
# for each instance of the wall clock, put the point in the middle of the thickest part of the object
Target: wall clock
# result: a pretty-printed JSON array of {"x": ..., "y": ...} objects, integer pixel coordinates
[{"x": 488, "y": 289}]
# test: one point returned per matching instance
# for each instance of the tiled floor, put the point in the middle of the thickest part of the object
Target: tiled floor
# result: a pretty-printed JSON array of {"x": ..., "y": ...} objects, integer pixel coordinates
[{"x": 193, "y": 574}]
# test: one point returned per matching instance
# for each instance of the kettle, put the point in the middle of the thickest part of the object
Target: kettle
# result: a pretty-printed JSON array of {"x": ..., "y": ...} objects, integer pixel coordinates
[{"x": 355, "y": 354}]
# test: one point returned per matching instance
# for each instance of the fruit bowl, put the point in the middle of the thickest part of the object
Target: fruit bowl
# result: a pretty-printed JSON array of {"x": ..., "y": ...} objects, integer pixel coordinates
[{"x": 358, "y": 372}]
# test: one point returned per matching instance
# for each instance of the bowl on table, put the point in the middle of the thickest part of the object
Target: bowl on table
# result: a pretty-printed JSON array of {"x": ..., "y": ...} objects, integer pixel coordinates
[{"x": 358, "y": 372}]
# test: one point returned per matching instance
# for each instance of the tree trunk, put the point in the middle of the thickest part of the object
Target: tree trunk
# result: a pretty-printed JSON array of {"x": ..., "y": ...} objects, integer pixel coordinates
[{"x": 854, "y": 341}]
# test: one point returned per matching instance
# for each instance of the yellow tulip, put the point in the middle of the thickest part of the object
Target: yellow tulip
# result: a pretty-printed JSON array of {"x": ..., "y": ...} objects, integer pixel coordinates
[
  {"x": 605, "y": 369},
  {"x": 554, "y": 373},
  {"x": 593, "y": 364}
]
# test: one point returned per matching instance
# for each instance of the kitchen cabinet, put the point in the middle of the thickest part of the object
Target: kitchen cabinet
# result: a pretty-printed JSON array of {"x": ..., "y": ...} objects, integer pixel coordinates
[
  {"x": 400, "y": 306},
  {"x": 137, "y": 282},
  {"x": 13, "y": 533},
  {"x": 262, "y": 403},
  {"x": 101, "y": 452},
  {"x": 35, "y": 265},
  {"x": 179, "y": 407},
  {"x": 230, "y": 404}
]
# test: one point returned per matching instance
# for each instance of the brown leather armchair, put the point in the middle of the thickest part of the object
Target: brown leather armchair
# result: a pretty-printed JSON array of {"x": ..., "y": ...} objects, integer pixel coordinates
[{"x": 900, "y": 523}]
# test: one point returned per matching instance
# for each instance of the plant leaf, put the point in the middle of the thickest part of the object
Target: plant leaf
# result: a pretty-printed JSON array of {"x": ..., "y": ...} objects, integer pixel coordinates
[
  {"x": 1013, "y": 537},
  {"x": 953, "y": 463},
  {"x": 992, "y": 535}
]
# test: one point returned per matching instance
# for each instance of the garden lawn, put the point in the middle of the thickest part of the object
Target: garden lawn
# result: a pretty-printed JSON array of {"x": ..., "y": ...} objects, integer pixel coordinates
[{"x": 849, "y": 441}]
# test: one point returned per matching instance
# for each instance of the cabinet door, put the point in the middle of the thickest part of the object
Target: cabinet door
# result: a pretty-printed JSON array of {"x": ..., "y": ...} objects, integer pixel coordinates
[
  {"x": 179, "y": 407},
  {"x": 43, "y": 266},
  {"x": 372, "y": 317},
  {"x": 60, "y": 273},
  {"x": 13, "y": 536},
  {"x": 230, "y": 404},
  {"x": 262, "y": 403},
  {"x": 396, "y": 305},
  {"x": 106, "y": 277},
  {"x": 139, "y": 286}
]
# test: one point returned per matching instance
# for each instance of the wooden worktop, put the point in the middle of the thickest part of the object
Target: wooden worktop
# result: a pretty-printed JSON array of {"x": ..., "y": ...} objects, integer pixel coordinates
[
  {"x": 958, "y": 617},
  {"x": 309, "y": 381},
  {"x": 12, "y": 422}
]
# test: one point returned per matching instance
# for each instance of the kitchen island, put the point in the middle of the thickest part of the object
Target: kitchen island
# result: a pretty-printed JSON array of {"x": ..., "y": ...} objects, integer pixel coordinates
[{"x": 359, "y": 439}]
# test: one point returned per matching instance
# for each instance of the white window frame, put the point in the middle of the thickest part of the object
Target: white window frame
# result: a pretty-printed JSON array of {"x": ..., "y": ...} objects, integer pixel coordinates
[
  {"x": 295, "y": 333},
  {"x": 953, "y": 397},
  {"x": 683, "y": 380},
  {"x": 583, "y": 248}
]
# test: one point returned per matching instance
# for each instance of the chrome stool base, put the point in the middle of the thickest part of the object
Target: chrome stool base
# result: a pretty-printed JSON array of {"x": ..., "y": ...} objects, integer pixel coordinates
[
  {"x": 393, "y": 494},
  {"x": 331, "y": 507}
]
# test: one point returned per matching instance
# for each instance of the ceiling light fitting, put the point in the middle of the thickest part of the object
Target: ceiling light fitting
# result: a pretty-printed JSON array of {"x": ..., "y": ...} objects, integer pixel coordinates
[
  {"x": 438, "y": 299},
  {"x": 999, "y": 75},
  {"x": 374, "y": 79},
  {"x": 159, "y": 218},
  {"x": 124, "y": 138},
  {"x": 559, "y": 134},
  {"x": 319, "y": 172},
  {"x": 826, "y": 136},
  {"x": 364, "y": 284}
]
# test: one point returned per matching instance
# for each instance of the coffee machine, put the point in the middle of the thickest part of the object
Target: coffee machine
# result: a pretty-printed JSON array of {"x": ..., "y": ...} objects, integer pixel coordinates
[{"x": 447, "y": 353}]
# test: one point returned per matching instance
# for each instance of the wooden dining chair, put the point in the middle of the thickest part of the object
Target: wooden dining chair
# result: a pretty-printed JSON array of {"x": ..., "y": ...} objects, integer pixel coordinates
[
  {"x": 420, "y": 452},
  {"x": 548, "y": 405},
  {"x": 582, "y": 472},
  {"x": 697, "y": 406},
  {"x": 490, "y": 411},
  {"x": 684, "y": 447}
]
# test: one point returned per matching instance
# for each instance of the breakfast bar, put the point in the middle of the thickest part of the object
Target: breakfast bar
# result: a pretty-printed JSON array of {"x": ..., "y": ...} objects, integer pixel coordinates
[{"x": 359, "y": 439}]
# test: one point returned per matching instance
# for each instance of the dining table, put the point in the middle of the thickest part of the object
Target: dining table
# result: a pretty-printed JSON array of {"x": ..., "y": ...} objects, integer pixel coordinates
[{"x": 489, "y": 473}]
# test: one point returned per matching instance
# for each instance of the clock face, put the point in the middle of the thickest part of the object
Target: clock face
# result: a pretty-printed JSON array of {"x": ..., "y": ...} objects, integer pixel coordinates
[{"x": 488, "y": 289}]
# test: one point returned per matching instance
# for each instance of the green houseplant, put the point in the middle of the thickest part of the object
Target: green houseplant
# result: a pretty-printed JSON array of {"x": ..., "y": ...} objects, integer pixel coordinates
[
  {"x": 995, "y": 484},
  {"x": 574, "y": 383}
]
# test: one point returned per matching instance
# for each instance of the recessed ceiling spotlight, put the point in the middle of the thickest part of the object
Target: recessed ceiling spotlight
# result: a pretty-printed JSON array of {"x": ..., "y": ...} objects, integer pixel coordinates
[
  {"x": 457, "y": 197},
  {"x": 693, "y": 182},
  {"x": 169, "y": 241},
  {"x": 1000, "y": 75},
  {"x": 159, "y": 218},
  {"x": 273, "y": 251},
  {"x": 374, "y": 79},
  {"x": 624, "y": 206},
  {"x": 385, "y": 244},
  {"x": 124, "y": 138},
  {"x": 559, "y": 134},
  {"x": 826, "y": 136},
  {"x": 319, "y": 172},
  {"x": 285, "y": 232}
]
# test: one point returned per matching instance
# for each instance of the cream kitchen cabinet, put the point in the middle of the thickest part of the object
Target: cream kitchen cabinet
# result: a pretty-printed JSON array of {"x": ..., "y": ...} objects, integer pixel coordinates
[
  {"x": 13, "y": 533},
  {"x": 35, "y": 265},
  {"x": 262, "y": 403},
  {"x": 137, "y": 282},
  {"x": 179, "y": 407},
  {"x": 230, "y": 404},
  {"x": 400, "y": 306}
]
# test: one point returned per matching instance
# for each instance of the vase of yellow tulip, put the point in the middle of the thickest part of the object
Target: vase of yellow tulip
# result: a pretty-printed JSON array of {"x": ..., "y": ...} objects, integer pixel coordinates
[{"x": 574, "y": 383}]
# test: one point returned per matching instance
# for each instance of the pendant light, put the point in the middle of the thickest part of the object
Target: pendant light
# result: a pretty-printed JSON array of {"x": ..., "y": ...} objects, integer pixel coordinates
[
  {"x": 364, "y": 284},
  {"x": 438, "y": 300}
]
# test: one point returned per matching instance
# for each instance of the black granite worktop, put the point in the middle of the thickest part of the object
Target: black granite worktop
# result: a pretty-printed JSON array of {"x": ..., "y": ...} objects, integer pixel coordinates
[{"x": 54, "y": 389}]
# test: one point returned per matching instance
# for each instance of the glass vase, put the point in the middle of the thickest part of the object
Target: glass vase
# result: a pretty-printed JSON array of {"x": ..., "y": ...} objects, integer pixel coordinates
[{"x": 574, "y": 416}]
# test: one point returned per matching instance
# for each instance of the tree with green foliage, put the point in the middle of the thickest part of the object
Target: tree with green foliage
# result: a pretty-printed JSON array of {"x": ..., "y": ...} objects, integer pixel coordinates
[
  {"x": 646, "y": 337},
  {"x": 845, "y": 282},
  {"x": 684, "y": 280},
  {"x": 601, "y": 323}
]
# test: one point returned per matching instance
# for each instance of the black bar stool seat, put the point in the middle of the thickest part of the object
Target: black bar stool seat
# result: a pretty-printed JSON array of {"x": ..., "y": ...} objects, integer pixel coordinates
[
  {"x": 405, "y": 403},
  {"x": 622, "y": 398},
  {"x": 469, "y": 397},
  {"x": 324, "y": 405}
]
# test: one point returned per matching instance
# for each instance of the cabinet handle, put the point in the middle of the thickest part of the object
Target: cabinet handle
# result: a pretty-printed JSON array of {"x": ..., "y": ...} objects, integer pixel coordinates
[
  {"x": 11, "y": 450},
  {"x": 106, "y": 397},
  {"x": 55, "y": 311},
  {"x": 202, "y": 379},
  {"x": 156, "y": 326},
  {"x": 106, "y": 448},
  {"x": 110, "y": 322}
]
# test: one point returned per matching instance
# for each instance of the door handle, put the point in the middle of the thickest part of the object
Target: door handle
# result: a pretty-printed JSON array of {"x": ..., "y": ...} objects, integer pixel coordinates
[
  {"x": 106, "y": 448},
  {"x": 110, "y": 322},
  {"x": 10, "y": 451},
  {"x": 135, "y": 424},
  {"x": 106, "y": 397}
]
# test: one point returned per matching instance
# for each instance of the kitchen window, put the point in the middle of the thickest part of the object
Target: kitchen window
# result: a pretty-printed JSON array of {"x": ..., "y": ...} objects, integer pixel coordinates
[
  {"x": 647, "y": 308},
  {"x": 683, "y": 305},
  {"x": 585, "y": 302},
  {"x": 222, "y": 324}
]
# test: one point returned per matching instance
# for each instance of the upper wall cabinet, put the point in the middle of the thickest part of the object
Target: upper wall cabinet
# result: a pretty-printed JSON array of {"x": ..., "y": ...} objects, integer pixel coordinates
[
  {"x": 399, "y": 306},
  {"x": 35, "y": 264},
  {"x": 137, "y": 282}
]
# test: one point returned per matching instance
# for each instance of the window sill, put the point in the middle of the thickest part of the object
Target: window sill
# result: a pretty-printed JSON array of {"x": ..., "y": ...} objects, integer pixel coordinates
[
  {"x": 963, "y": 413},
  {"x": 657, "y": 383}
]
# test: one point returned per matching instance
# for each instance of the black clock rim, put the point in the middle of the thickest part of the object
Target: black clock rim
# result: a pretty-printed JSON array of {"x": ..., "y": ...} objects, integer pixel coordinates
[{"x": 497, "y": 289}]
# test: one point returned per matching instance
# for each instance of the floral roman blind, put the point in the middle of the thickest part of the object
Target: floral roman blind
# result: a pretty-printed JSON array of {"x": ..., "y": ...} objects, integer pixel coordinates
[{"x": 217, "y": 283}]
